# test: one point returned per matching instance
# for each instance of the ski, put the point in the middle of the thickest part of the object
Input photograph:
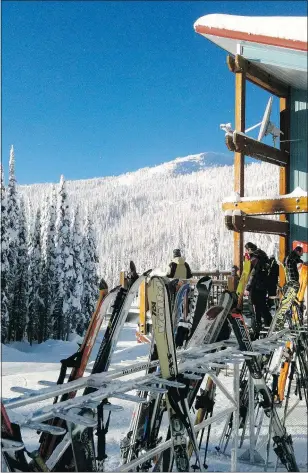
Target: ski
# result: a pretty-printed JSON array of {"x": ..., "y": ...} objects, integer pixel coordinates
[
  {"x": 211, "y": 328},
  {"x": 181, "y": 315},
  {"x": 78, "y": 362},
  {"x": 176, "y": 404},
  {"x": 204, "y": 406},
  {"x": 212, "y": 322},
  {"x": 146, "y": 419},
  {"x": 283, "y": 442},
  {"x": 82, "y": 450},
  {"x": 203, "y": 289}
]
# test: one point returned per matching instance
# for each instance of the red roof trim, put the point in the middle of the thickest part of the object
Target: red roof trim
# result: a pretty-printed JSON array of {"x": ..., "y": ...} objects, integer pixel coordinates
[{"x": 253, "y": 38}]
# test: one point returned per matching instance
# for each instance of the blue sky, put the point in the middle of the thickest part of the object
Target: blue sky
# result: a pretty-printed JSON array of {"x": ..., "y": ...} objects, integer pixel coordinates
[{"x": 94, "y": 88}]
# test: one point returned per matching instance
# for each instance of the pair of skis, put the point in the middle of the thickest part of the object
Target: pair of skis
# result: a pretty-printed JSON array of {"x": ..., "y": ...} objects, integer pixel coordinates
[
  {"x": 176, "y": 403},
  {"x": 207, "y": 326},
  {"x": 283, "y": 446},
  {"x": 78, "y": 362},
  {"x": 17, "y": 459},
  {"x": 81, "y": 455},
  {"x": 187, "y": 309}
]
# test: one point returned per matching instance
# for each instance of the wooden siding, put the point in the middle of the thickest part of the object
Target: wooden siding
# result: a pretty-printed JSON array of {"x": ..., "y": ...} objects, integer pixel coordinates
[
  {"x": 288, "y": 66},
  {"x": 299, "y": 159}
]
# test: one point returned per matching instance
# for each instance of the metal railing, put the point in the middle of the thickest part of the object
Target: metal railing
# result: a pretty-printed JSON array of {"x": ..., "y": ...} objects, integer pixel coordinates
[{"x": 222, "y": 280}]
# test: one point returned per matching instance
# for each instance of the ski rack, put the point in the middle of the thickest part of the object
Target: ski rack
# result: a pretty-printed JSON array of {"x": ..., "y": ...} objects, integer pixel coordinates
[{"x": 191, "y": 363}]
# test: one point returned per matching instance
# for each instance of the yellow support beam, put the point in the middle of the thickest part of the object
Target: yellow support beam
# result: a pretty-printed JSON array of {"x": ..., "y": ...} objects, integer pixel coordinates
[
  {"x": 282, "y": 205},
  {"x": 239, "y": 160}
]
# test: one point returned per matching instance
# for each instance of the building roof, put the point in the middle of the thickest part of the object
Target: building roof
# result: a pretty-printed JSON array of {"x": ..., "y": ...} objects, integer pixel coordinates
[{"x": 277, "y": 44}]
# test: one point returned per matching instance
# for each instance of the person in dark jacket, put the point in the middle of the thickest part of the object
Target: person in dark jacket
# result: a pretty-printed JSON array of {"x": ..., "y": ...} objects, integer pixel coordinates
[
  {"x": 178, "y": 268},
  {"x": 257, "y": 284},
  {"x": 290, "y": 263},
  {"x": 272, "y": 286}
]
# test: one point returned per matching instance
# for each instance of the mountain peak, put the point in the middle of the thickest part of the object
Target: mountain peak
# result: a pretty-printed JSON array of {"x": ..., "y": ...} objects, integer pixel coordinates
[
  {"x": 191, "y": 163},
  {"x": 197, "y": 162}
]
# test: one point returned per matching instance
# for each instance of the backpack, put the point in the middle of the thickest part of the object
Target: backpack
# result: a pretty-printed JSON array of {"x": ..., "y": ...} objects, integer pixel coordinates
[
  {"x": 273, "y": 276},
  {"x": 261, "y": 270}
]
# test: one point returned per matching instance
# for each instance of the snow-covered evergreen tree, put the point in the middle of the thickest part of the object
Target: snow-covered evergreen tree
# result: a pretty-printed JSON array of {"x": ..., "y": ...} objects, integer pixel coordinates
[
  {"x": 12, "y": 223},
  {"x": 35, "y": 303},
  {"x": 65, "y": 269},
  {"x": 4, "y": 264},
  {"x": 20, "y": 295},
  {"x": 49, "y": 271},
  {"x": 76, "y": 314},
  {"x": 90, "y": 276}
]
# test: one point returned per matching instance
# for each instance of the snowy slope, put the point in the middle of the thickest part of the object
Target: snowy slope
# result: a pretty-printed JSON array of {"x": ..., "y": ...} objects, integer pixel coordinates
[{"x": 143, "y": 215}]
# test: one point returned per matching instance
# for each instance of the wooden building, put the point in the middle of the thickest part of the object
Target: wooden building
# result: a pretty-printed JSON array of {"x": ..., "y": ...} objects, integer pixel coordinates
[{"x": 270, "y": 52}]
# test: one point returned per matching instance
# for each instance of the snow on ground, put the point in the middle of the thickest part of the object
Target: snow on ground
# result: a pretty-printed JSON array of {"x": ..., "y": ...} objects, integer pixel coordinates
[{"x": 23, "y": 365}]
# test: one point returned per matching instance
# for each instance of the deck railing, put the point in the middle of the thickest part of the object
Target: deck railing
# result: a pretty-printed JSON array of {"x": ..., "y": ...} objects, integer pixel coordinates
[{"x": 222, "y": 280}]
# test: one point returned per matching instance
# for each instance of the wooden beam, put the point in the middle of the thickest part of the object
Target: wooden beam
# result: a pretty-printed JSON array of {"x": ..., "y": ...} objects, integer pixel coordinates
[
  {"x": 284, "y": 176},
  {"x": 258, "y": 150},
  {"x": 229, "y": 223},
  {"x": 257, "y": 76},
  {"x": 244, "y": 223},
  {"x": 285, "y": 205},
  {"x": 239, "y": 160},
  {"x": 229, "y": 142}
]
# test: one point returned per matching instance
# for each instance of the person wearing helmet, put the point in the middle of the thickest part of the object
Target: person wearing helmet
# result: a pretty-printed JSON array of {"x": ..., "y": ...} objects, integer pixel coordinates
[{"x": 178, "y": 268}]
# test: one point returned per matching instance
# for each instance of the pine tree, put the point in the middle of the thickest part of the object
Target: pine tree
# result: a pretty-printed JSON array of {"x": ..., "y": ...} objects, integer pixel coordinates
[
  {"x": 35, "y": 303},
  {"x": 90, "y": 276},
  {"x": 21, "y": 277},
  {"x": 65, "y": 269},
  {"x": 76, "y": 314},
  {"x": 4, "y": 264},
  {"x": 12, "y": 219},
  {"x": 49, "y": 273}
]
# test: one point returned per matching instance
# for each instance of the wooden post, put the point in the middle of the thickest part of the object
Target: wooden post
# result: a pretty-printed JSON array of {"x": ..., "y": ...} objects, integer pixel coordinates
[
  {"x": 123, "y": 279},
  {"x": 284, "y": 176},
  {"x": 232, "y": 282},
  {"x": 239, "y": 159}
]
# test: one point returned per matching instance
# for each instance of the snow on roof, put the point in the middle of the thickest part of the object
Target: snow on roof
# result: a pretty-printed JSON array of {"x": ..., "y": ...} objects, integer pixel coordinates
[{"x": 292, "y": 28}]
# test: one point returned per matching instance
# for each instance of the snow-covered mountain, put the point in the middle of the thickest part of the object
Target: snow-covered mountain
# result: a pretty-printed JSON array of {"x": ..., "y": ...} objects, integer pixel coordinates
[
  {"x": 144, "y": 214},
  {"x": 193, "y": 163}
]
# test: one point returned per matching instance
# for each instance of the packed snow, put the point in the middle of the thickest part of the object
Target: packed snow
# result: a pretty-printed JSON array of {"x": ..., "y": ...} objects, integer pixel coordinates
[
  {"x": 284, "y": 27},
  {"x": 25, "y": 366}
]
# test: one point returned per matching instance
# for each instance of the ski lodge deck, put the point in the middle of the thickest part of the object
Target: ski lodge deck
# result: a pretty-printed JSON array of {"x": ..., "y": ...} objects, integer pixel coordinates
[{"x": 271, "y": 53}]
